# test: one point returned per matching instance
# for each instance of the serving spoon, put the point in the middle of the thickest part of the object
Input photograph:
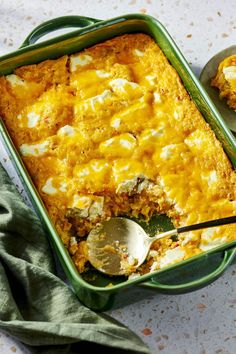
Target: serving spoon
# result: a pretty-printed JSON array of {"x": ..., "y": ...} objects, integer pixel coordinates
[
  {"x": 208, "y": 72},
  {"x": 119, "y": 246}
]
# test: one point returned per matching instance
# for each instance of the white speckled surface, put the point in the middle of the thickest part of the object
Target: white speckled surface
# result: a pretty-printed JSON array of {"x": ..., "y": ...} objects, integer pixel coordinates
[{"x": 199, "y": 322}]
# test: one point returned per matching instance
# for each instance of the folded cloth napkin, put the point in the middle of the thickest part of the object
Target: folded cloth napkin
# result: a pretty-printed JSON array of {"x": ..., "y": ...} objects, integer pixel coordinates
[{"x": 38, "y": 308}]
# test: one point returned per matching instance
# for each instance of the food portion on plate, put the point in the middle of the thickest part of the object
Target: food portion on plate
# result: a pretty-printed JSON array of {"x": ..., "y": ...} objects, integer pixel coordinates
[
  {"x": 111, "y": 131},
  {"x": 225, "y": 80}
]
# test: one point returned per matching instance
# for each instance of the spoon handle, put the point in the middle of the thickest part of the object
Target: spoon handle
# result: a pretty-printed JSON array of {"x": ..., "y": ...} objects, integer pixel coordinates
[{"x": 204, "y": 225}]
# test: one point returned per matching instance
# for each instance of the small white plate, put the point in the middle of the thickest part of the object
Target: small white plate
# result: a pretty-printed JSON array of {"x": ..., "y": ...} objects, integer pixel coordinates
[{"x": 208, "y": 72}]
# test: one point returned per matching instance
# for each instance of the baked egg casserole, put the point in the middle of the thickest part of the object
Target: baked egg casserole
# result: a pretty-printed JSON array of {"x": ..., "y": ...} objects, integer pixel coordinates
[
  {"x": 225, "y": 80},
  {"x": 112, "y": 131}
]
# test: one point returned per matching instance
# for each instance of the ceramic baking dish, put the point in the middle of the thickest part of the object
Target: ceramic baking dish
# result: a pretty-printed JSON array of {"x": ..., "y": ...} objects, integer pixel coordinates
[{"x": 95, "y": 290}]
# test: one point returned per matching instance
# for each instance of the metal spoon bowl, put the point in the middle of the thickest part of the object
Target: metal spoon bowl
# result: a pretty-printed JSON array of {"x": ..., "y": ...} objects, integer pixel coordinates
[
  {"x": 119, "y": 246},
  {"x": 208, "y": 72}
]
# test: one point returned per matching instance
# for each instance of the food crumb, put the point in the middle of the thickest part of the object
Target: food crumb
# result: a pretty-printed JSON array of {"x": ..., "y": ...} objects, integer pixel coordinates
[
  {"x": 143, "y": 10},
  {"x": 147, "y": 331},
  {"x": 189, "y": 35},
  {"x": 224, "y": 35},
  {"x": 201, "y": 307},
  {"x": 161, "y": 347},
  {"x": 110, "y": 285},
  {"x": 165, "y": 336},
  {"x": 13, "y": 349},
  {"x": 219, "y": 13}
]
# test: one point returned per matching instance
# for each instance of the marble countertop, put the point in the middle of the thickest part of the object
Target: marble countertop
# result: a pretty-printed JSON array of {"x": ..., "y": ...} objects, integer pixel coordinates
[{"x": 202, "y": 322}]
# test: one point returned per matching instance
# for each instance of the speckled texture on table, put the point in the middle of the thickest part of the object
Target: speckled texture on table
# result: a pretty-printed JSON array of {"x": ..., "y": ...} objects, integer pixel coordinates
[{"x": 203, "y": 322}]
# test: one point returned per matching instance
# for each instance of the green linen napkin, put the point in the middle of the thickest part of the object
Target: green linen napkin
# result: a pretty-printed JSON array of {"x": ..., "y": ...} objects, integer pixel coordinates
[{"x": 38, "y": 308}]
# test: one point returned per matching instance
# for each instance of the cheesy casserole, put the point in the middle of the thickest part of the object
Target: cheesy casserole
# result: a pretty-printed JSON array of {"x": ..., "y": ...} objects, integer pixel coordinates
[
  {"x": 112, "y": 131},
  {"x": 225, "y": 80}
]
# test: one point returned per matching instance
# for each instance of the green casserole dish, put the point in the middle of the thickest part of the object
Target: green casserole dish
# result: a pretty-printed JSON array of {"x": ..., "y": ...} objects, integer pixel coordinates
[{"x": 94, "y": 289}]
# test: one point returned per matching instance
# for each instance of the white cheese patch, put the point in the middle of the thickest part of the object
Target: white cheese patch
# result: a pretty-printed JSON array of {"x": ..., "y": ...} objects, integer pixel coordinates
[
  {"x": 152, "y": 254},
  {"x": 97, "y": 166},
  {"x": 121, "y": 141},
  {"x": 212, "y": 179},
  {"x": 151, "y": 79},
  {"x": 118, "y": 85},
  {"x": 194, "y": 140},
  {"x": 79, "y": 60},
  {"x": 33, "y": 119},
  {"x": 67, "y": 130},
  {"x": 209, "y": 239},
  {"x": 34, "y": 149},
  {"x": 149, "y": 134},
  {"x": 187, "y": 237},
  {"x": 99, "y": 99},
  {"x": 96, "y": 208},
  {"x": 167, "y": 151},
  {"x": 138, "y": 182},
  {"x": 48, "y": 187},
  {"x": 127, "y": 144},
  {"x": 172, "y": 256},
  {"x": 144, "y": 185},
  {"x": 157, "y": 97},
  {"x": 176, "y": 115},
  {"x": 63, "y": 187},
  {"x": 73, "y": 241},
  {"x": 84, "y": 172},
  {"x": 127, "y": 186},
  {"x": 115, "y": 123},
  {"x": 138, "y": 52},
  {"x": 153, "y": 267},
  {"x": 230, "y": 72},
  {"x": 15, "y": 80},
  {"x": 102, "y": 74},
  {"x": 108, "y": 142}
]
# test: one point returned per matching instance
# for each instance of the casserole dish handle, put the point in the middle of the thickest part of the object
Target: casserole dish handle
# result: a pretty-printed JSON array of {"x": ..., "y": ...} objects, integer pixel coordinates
[
  {"x": 195, "y": 284},
  {"x": 56, "y": 24}
]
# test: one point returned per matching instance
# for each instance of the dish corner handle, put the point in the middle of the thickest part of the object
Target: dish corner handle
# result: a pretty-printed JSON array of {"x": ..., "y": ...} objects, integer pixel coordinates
[
  {"x": 55, "y": 24},
  {"x": 153, "y": 284}
]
